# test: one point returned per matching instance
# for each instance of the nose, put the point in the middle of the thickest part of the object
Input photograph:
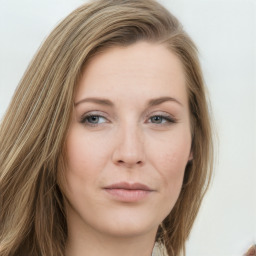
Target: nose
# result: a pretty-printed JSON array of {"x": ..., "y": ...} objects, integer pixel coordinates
[{"x": 129, "y": 149}]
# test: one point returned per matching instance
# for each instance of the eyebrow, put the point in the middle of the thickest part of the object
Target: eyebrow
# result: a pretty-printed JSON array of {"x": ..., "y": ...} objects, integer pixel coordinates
[
  {"x": 99, "y": 101},
  {"x": 106, "y": 102},
  {"x": 161, "y": 100}
]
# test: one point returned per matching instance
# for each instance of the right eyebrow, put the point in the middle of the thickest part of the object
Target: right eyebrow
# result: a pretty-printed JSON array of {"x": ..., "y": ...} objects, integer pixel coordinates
[{"x": 100, "y": 101}]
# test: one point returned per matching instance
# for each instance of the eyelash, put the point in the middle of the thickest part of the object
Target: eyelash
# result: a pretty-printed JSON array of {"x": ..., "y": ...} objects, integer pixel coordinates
[
  {"x": 84, "y": 119},
  {"x": 167, "y": 118}
]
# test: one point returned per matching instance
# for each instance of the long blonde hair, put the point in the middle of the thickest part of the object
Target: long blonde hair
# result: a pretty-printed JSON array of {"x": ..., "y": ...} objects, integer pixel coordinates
[{"x": 33, "y": 130}]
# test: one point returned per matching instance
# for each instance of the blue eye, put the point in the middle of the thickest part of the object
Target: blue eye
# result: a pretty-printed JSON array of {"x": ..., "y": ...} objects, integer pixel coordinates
[
  {"x": 93, "y": 120},
  {"x": 160, "y": 119},
  {"x": 156, "y": 119}
]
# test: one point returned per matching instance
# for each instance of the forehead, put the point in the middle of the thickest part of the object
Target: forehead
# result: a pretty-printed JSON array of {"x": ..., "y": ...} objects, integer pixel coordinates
[{"x": 140, "y": 69}]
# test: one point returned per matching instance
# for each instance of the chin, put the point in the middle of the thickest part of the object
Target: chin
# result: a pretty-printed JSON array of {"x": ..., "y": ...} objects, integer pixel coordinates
[{"x": 130, "y": 221}]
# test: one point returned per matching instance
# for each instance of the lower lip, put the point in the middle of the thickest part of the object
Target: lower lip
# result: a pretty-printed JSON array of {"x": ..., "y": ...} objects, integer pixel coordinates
[{"x": 126, "y": 195}]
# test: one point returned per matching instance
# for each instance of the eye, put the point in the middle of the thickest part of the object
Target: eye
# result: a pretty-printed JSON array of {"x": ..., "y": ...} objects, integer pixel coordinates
[
  {"x": 93, "y": 119},
  {"x": 161, "y": 119}
]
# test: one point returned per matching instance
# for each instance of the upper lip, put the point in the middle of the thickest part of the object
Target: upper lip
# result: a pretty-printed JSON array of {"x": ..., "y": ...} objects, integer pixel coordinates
[{"x": 129, "y": 186}]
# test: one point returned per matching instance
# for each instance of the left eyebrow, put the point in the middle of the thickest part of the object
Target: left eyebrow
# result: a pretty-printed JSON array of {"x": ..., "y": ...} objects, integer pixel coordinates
[{"x": 158, "y": 101}]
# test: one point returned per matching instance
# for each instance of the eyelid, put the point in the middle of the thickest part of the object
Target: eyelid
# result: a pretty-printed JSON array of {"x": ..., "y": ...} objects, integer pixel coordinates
[
  {"x": 162, "y": 114},
  {"x": 167, "y": 120},
  {"x": 92, "y": 113}
]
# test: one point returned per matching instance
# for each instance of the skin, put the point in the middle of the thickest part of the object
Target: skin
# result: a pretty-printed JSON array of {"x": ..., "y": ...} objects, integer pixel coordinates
[
  {"x": 251, "y": 251},
  {"x": 123, "y": 138}
]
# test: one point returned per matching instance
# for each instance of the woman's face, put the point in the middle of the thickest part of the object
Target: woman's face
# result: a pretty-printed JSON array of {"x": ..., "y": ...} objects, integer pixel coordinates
[{"x": 129, "y": 141}]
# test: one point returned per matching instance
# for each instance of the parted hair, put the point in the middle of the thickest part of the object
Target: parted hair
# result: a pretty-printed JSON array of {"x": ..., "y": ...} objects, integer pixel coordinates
[{"x": 34, "y": 127}]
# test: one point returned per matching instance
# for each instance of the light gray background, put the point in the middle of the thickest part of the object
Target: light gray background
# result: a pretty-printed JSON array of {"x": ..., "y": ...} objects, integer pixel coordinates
[{"x": 225, "y": 32}]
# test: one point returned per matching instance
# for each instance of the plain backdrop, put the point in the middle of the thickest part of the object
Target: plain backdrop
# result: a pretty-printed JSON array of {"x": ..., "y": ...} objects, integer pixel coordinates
[{"x": 225, "y": 33}]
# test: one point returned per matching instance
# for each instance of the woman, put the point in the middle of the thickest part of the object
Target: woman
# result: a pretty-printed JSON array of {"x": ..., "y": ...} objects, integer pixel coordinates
[{"x": 106, "y": 146}]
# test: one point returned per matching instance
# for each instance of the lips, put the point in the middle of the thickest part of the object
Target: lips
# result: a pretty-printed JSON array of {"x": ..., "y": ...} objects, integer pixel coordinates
[
  {"x": 129, "y": 186},
  {"x": 128, "y": 192}
]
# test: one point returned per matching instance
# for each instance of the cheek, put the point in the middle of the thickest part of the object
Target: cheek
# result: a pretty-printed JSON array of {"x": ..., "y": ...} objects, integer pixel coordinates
[
  {"x": 77, "y": 173},
  {"x": 171, "y": 156},
  {"x": 170, "y": 160},
  {"x": 82, "y": 166},
  {"x": 172, "y": 171},
  {"x": 85, "y": 155}
]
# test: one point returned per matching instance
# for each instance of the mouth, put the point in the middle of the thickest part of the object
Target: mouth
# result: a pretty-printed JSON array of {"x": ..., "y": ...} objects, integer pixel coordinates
[{"x": 128, "y": 192}]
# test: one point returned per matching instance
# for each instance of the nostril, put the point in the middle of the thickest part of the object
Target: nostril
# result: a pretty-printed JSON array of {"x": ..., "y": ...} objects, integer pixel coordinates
[{"x": 129, "y": 164}]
